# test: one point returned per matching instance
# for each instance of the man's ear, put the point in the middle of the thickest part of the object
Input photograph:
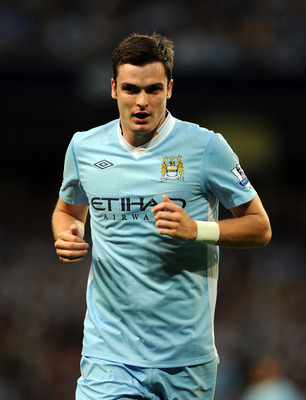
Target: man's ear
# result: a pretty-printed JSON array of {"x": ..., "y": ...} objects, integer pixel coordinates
[
  {"x": 114, "y": 88},
  {"x": 169, "y": 89}
]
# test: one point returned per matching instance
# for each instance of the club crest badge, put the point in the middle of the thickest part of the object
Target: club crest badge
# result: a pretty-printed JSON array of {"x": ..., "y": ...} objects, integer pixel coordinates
[
  {"x": 172, "y": 169},
  {"x": 242, "y": 179}
]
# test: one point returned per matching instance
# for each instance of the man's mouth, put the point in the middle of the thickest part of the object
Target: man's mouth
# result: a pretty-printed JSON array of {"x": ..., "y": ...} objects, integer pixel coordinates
[{"x": 141, "y": 115}]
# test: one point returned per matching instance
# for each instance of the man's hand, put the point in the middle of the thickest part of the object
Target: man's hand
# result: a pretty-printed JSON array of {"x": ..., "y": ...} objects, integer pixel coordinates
[
  {"x": 70, "y": 246},
  {"x": 172, "y": 220}
]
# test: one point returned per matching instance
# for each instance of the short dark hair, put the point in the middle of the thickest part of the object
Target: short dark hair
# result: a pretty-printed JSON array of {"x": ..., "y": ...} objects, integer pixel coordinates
[{"x": 139, "y": 49}]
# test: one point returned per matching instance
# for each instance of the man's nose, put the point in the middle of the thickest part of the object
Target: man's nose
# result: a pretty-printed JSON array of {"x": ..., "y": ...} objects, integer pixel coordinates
[{"x": 142, "y": 100}]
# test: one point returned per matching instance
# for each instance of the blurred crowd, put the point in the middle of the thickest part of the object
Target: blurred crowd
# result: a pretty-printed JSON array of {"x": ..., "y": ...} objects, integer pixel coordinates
[
  {"x": 261, "y": 316},
  {"x": 261, "y": 313},
  {"x": 266, "y": 34}
]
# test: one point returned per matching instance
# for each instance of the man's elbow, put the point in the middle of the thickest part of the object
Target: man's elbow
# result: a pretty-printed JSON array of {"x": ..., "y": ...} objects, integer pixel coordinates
[{"x": 265, "y": 234}]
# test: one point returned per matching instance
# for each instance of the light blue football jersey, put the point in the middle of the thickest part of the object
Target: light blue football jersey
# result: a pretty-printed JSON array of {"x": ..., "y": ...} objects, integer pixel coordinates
[{"x": 150, "y": 298}]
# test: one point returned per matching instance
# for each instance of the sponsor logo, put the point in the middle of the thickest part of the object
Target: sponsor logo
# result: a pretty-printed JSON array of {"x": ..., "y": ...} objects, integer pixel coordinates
[
  {"x": 242, "y": 179},
  {"x": 126, "y": 204},
  {"x": 172, "y": 169},
  {"x": 126, "y": 209}
]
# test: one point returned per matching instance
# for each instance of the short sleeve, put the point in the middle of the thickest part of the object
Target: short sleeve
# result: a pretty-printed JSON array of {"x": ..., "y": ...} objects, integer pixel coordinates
[
  {"x": 71, "y": 190},
  {"x": 224, "y": 177}
]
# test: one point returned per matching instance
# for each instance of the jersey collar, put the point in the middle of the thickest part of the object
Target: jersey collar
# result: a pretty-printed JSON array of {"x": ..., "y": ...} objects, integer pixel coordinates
[{"x": 162, "y": 133}]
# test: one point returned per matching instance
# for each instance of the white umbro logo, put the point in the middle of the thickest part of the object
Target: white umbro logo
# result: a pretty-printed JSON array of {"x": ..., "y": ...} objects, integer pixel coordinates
[{"x": 103, "y": 164}]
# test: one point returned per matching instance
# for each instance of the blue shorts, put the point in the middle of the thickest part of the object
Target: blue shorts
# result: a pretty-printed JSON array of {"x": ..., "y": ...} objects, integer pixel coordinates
[{"x": 108, "y": 380}]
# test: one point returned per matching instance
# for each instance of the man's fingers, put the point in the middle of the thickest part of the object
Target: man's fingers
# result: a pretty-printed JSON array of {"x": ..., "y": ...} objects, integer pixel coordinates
[
  {"x": 71, "y": 245},
  {"x": 172, "y": 220},
  {"x": 70, "y": 256},
  {"x": 68, "y": 236},
  {"x": 167, "y": 216},
  {"x": 166, "y": 199},
  {"x": 75, "y": 230},
  {"x": 71, "y": 251},
  {"x": 165, "y": 206}
]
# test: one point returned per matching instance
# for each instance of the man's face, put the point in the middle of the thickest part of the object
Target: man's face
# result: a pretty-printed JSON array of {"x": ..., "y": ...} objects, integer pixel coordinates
[{"x": 141, "y": 93}]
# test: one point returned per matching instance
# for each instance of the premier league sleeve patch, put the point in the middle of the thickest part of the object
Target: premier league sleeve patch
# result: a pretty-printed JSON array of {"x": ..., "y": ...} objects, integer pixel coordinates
[{"x": 242, "y": 179}]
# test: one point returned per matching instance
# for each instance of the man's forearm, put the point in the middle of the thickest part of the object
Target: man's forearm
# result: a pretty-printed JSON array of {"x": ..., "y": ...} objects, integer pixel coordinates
[
  {"x": 65, "y": 215},
  {"x": 61, "y": 221},
  {"x": 245, "y": 232}
]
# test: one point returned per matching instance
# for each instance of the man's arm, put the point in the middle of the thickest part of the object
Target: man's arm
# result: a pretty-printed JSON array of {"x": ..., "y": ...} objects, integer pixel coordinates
[
  {"x": 250, "y": 226},
  {"x": 68, "y": 222}
]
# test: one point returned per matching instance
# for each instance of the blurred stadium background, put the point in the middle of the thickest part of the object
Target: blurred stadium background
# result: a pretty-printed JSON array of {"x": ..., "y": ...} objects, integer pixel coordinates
[{"x": 239, "y": 70}]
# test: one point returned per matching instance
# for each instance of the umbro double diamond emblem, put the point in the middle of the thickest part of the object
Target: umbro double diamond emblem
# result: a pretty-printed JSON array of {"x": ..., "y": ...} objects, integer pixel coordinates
[{"x": 103, "y": 164}]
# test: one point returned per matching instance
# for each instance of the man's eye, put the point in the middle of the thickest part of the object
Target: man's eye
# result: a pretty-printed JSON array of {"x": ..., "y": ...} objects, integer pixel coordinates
[
  {"x": 130, "y": 89},
  {"x": 153, "y": 89}
]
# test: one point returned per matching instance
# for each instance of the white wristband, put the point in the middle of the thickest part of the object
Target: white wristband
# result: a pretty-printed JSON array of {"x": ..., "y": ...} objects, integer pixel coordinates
[{"x": 208, "y": 232}]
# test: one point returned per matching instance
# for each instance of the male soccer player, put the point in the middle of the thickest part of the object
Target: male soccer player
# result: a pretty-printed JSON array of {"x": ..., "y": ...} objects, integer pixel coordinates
[{"x": 152, "y": 184}]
